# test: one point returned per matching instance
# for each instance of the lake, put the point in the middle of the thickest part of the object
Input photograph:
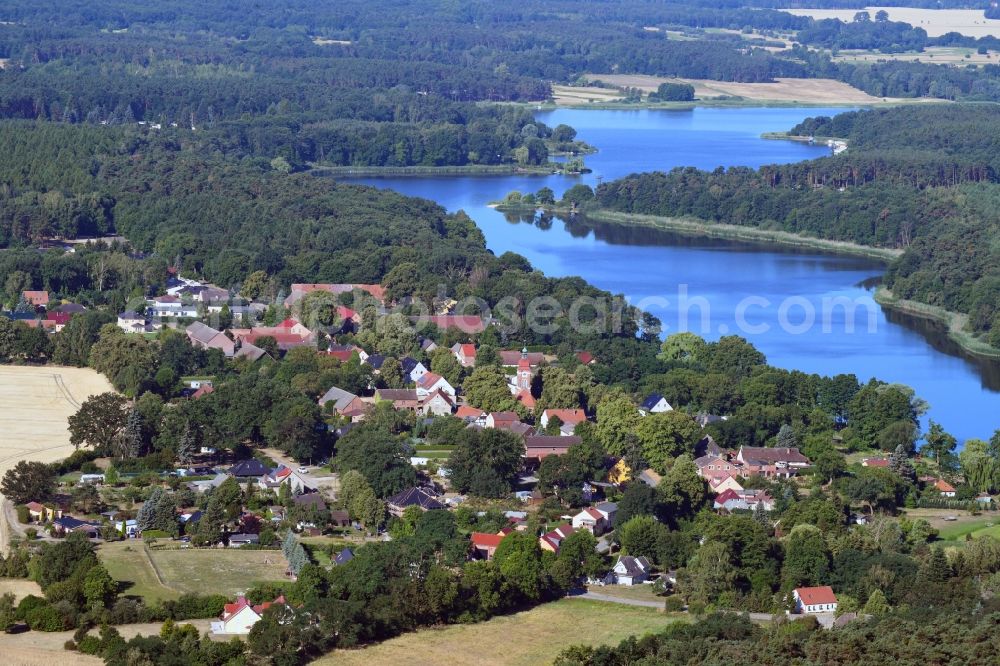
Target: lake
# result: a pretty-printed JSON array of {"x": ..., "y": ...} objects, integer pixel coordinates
[{"x": 762, "y": 293}]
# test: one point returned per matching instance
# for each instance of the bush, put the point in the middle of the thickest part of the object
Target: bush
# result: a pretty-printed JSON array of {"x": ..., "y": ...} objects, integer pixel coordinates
[
  {"x": 697, "y": 608},
  {"x": 22, "y": 514},
  {"x": 28, "y": 604},
  {"x": 89, "y": 645},
  {"x": 70, "y": 645},
  {"x": 45, "y": 618},
  {"x": 31, "y": 533},
  {"x": 673, "y": 604},
  {"x": 194, "y": 606}
]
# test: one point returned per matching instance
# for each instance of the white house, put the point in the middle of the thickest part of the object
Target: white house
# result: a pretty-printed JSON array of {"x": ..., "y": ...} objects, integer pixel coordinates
[
  {"x": 129, "y": 528},
  {"x": 815, "y": 599},
  {"x": 655, "y": 404},
  {"x": 590, "y": 519},
  {"x": 239, "y": 617},
  {"x": 629, "y": 570},
  {"x": 285, "y": 475},
  {"x": 132, "y": 322},
  {"x": 430, "y": 382}
]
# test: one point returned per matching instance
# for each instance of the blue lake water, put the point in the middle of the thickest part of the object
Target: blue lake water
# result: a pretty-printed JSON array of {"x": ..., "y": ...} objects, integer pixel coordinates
[{"x": 651, "y": 267}]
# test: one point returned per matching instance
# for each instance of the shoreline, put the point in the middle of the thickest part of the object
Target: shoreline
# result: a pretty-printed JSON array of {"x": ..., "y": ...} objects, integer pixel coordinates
[
  {"x": 696, "y": 227},
  {"x": 954, "y": 322},
  {"x": 463, "y": 170}
]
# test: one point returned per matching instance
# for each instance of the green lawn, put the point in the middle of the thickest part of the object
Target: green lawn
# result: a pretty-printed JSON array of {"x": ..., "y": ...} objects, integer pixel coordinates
[
  {"x": 184, "y": 570},
  {"x": 535, "y": 636}
]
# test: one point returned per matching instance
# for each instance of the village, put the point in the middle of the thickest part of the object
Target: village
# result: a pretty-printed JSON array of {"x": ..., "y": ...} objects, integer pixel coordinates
[{"x": 270, "y": 501}]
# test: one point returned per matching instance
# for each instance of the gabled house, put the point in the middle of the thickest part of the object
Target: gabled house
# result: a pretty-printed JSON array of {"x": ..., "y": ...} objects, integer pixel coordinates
[
  {"x": 400, "y": 398},
  {"x": 550, "y": 541},
  {"x": 465, "y": 354},
  {"x": 35, "y": 298},
  {"x": 412, "y": 368},
  {"x": 343, "y": 557},
  {"x": 430, "y": 382},
  {"x": 129, "y": 528},
  {"x": 67, "y": 524},
  {"x": 311, "y": 500},
  {"x": 712, "y": 467},
  {"x": 501, "y": 420},
  {"x": 629, "y": 570},
  {"x": 778, "y": 462},
  {"x": 419, "y": 497},
  {"x": 248, "y": 470},
  {"x": 437, "y": 403},
  {"x": 815, "y": 599},
  {"x": 610, "y": 512},
  {"x": 484, "y": 545},
  {"x": 343, "y": 353},
  {"x": 569, "y": 417},
  {"x": 541, "y": 446},
  {"x": 471, "y": 415},
  {"x": 730, "y": 500},
  {"x": 239, "y": 617},
  {"x": 132, "y": 322},
  {"x": 585, "y": 358},
  {"x": 427, "y": 346},
  {"x": 655, "y": 404},
  {"x": 240, "y": 540},
  {"x": 592, "y": 520},
  {"x": 344, "y": 402},
  {"x": 944, "y": 488},
  {"x": 719, "y": 484},
  {"x": 40, "y": 513},
  {"x": 203, "y": 336},
  {"x": 282, "y": 476}
]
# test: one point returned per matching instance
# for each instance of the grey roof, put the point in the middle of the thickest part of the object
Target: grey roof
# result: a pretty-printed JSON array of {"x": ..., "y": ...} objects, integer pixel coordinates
[
  {"x": 344, "y": 556},
  {"x": 766, "y": 456},
  {"x": 408, "y": 364},
  {"x": 314, "y": 500},
  {"x": 244, "y": 538},
  {"x": 252, "y": 467},
  {"x": 634, "y": 566},
  {"x": 375, "y": 360},
  {"x": 608, "y": 507},
  {"x": 339, "y": 397},
  {"x": 250, "y": 351},
  {"x": 397, "y": 394},
  {"x": 131, "y": 314},
  {"x": 203, "y": 333}
]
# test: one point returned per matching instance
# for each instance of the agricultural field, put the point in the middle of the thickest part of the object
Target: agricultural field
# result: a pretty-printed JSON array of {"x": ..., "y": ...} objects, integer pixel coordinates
[
  {"x": 577, "y": 95},
  {"x": 935, "y": 55},
  {"x": 188, "y": 570},
  {"x": 786, "y": 91},
  {"x": 935, "y": 22},
  {"x": 535, "y": 636}
]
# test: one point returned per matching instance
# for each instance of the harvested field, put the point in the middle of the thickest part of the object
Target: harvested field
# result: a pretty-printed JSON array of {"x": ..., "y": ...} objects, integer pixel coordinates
[
  {"x": 184, "y": 570},
  {"x": 535, "y": 636},
  {"x": 19, "y": 587},
  {"x": 936, "y": 22},
  {"x": 802, "y": 91},
  {"x": 571, "y": 95}
]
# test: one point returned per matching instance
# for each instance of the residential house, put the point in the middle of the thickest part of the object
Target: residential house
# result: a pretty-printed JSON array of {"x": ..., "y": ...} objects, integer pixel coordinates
[
  {"x": 585, "y": 358},
  {"x": 285, "y": 476},
  {"x": 412, "y": 368},
  {"x": 339, "y": 517},
  {"x": 311, "y": 500},
  {"x": 437, "y": 403},
  {"x": 619, "y": 472},
  {"x": 655, "y": 404},
  {"x": 815, "y": 599},
  {"x": 471, "y": 415},
  {"x": 428, "y": 346},
  {"x": 880, "y": 461},
  {"x": 944, "y": 488},
  {"x": 512, "y": 358},
  {"x": 203, "y": 390},
  {"x": 343, "y": 353},
  {"x": 344, "y": 402},
  {"x": 170, "y": 307},
  {"x": 501, "y": 420},
  {"x": 203, "y": 336},
  {"x": 541, "y": 446},
  {"x": 132, "y": 322},
  {"x": 251, "y": 352},
  {"x": 719, "y": 484},
  {"x": 375, "y": 361},
  {"x": 207, "y": 484},
  {"x": 465, "y": 323},
  {"x": 299, "y": 290},
  {"x": 715, "y": 468},
  {"x": 984, "y": 499},
  {"x": 550, "y": 541},
  {"x": 629, "y": 570},
  {"x": 240, "y": 540},
  {"x": 239, "y": 617},
  {"x": 570, "y": 417},
  {"x": 289, "y": 334},
  {"x": 343, "y": 557},
  {"x": 730, "y": 500},
  {"x": 248, "y": 470},
  {"x": 35, "y": 298},
  {"x": 67, "y": 524},
  {"x": 128, "y": 528},
  {"x": 485, "y": 545},
  {"x": 610, "y": 512},
  {"x": 40, "y": 513},
  {"x": 590, "y": 519},
  {"x": 419, "y": 497},
  {"x": 521, "y": 429},
  {"x": 400, "y": 398},
  {"x": 430, "y": 382},
  {"x": 465, "y": 354},
  {"x": 778, "y": 462}
]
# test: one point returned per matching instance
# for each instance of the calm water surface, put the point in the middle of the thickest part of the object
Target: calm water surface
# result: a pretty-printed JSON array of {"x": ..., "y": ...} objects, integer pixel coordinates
[{"x": 647, "y": 264}]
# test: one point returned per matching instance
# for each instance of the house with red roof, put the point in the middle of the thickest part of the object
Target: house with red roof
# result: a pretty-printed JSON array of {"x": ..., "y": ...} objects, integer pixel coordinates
[
  {"x": 524, "y": 397},
  {"x": 485, "y": 545},
  {"x": 36, "y": 298},
  {"x": 585, "y": 357},
  {"x": 815, "y": 599},
  {"x": 542, "y": 446},
  {"x": 464, "y": 323},
  {"x": 240, "y": 616},
  {"x": 593, "y": 520},
  {"x": 567, "y": 416},
  {"x": 550, "y": 541},
  {"x": 945, "y": 488},
  {"x": 471, "y": 415},
  {"x": 288, "y": 334},
  {"x": 501, "y": 420},
  {"x": 875, "y": 462},
  {"x": 465, "y": 354},
  {"x": 430, "y": 382}
]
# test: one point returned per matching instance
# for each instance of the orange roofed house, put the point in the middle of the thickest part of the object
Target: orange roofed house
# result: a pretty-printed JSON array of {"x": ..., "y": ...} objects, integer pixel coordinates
[
  {"x": 239, "y": 617},
  {"x": 485, "y": 545},
  {"x": 815, "y": 599}
]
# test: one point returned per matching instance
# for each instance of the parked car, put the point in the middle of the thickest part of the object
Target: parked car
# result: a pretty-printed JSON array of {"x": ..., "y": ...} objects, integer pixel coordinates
[{"x": 303, "y": 470}]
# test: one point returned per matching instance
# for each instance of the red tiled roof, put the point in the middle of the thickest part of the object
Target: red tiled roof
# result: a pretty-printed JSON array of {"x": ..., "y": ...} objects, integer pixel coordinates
[
  {"x": 944, "y": 486},
  {"x": 484, "y": 540},
  {"x": 345, "y": 312},
  {"x": 36, "y": 297},
  {"x": 504, "y": 416},
  {"x": 585, "y": 357},
  {"x": 816, "y": 595},
  {"x": 288, "y": 323},
  {"x": 203, "y": 390},
  {"x": 465, "y": 323},
  {"x": 465, "y": 411},
  {"x": 428, "y": 380},
  {"x": 567, "y": 416},
  {"x": 525, "y": 398},
  {"x": 35, "y": 506},
  {"x": 726, "y": 496}
]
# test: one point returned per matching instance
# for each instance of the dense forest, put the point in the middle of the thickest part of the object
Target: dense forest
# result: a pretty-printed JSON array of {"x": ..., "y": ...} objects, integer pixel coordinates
[{"x": 920, "y": 178}]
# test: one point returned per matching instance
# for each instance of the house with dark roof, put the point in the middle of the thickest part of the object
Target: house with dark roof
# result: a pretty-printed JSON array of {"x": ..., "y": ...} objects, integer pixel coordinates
[
  {"x": 245, "y": 470},
  {"x": 655, "y": 404},
  {"x": 343, "y": 557},
  {"x": 376, "y": 361},
  {"x": 412, "y": 368},
  {"x": 344, "y": 403},
  {"x": 68, "y": 524},
  {"x": 419, "y": 497},
  {"x": 240, "y": 540},
  {"x": 629, "y": 570},
  {"x": 777, "y": 462},
  {"x": 311, "y": 500},
  {"x": 400, "y": 398}
]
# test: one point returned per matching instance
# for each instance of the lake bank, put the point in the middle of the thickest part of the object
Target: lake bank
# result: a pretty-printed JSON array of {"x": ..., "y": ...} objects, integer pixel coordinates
[
  {"x": 463, "y": 170},
  {"x": 697, "y": 227},
  {"x": 954, "y": 322}
]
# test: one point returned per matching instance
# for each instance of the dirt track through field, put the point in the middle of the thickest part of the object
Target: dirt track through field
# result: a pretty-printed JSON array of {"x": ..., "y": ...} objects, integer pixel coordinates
[{"x": 35, "y": 405}]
